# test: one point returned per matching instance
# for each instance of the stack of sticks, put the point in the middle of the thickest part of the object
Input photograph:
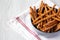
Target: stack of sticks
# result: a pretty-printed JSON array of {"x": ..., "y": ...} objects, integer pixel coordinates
[{"x": 45, "y": 18}]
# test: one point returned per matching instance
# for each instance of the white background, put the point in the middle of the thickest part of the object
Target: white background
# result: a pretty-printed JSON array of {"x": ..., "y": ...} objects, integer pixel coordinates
[{"x": 10, "y": 8}]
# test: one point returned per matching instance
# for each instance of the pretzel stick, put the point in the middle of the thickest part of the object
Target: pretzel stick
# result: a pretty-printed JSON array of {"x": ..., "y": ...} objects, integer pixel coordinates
[
  {"x": 41, "y": 16},
  {"x": 40, "y": 11},
  {"x": 45, "y": 29},
  {"x": 50, "y": 27},
  {"x": 58, "y": 13},
  {"x": 40, "y": 8},
  {"x": 40, "y": 28},
  {"x": 41, "y": 5},
  {"x": 48, "y": 30},
  {"x": 44, "y": 19},
  {"x": 31, "y": 13},
  {"x": 35, "y": 14},
  {"x": 58, "y": 27},
  {"x": 48, "y": 15},
  {"x": 39, "y": 25},
  {"x": 32, "y": 16},
  {"x": 50, "y": 24},
  {"x": 45, "y": 10},
  {"x": 56, "y": 18},
  {"x": 54, "y": 5},
  {"x": 31, "y": 9}
]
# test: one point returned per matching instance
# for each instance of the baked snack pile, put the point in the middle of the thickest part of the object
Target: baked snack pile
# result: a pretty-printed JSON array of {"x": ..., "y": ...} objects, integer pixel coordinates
[{"x": 45, "y": 18}]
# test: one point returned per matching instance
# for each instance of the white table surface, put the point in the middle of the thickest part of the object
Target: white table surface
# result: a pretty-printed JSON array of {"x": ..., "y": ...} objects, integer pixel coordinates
[{"x": 10, "y": 8}]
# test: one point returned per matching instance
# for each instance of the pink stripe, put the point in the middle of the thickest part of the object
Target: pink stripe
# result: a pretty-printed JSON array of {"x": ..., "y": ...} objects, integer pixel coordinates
[{"x": 33, "y": 33}]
